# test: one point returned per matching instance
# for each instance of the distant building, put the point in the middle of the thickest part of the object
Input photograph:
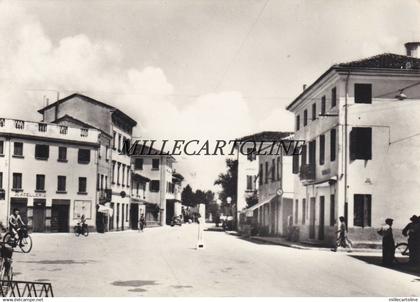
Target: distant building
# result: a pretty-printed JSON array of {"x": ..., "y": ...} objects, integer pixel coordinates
[
  {"x": 360, "y": 161},
  {"x": 48, "y": 172},
  {"x": 266, "y": 179},
  {"x": 114, "y": 173},
  {"x": 160, "y": 203}
]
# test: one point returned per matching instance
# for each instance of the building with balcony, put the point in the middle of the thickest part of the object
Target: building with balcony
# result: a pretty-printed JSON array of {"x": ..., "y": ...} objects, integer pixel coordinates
[
  {"x": 49, "y": 172},
  {"x": 114, "y": 173},
  {"x": 358, "y": 120},
  {"x": 157, "y": 167},
  {"x": 264, "y": 183}
]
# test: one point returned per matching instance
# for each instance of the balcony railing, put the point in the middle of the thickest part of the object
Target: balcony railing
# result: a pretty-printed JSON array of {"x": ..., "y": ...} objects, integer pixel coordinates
[{"x": 307, "y": 172}]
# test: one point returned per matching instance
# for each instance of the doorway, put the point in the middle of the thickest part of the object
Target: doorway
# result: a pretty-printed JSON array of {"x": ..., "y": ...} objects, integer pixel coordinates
[
  {"x": 38, "y": 220},
  {"x": 60, "y": 213},
  {"x": 321, "y": 217},
  {"x": 134, "y": 216},
  {"x": 312, "y": 219}
]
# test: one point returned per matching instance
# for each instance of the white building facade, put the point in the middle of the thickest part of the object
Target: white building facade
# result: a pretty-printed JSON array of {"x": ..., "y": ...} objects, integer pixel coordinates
[{"x": 361, "y": 137}]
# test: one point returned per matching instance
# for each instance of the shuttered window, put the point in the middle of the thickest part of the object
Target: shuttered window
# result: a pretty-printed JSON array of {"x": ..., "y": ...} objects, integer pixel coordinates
[
  {"x": 361, "y": 143},
  {"x": 362, "y": 210}
]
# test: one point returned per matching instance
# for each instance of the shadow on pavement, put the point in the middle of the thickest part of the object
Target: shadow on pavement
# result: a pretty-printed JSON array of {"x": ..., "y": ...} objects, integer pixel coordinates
[{"x": 400, "y": 267}]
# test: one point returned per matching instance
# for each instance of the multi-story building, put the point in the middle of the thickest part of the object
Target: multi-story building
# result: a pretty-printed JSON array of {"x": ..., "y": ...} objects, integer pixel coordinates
[
  {"x": 114, "y": 171},
  {"x": 264, "y": 177},
  {"x": 49, "y": 172},
  {"x": 360, "y": 124},
  {"x": 157, "y": 167}
]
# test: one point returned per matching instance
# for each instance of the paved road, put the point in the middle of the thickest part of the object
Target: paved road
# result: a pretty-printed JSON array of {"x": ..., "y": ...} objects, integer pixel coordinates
[{"x": 164, "y": 262}]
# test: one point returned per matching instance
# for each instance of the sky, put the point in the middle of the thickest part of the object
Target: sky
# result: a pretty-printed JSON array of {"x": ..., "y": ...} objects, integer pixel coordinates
[{"x": 189, "y": 68}]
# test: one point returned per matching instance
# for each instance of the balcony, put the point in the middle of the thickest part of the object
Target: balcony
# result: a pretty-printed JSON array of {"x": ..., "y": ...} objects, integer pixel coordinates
[
  {"x": 307, "y": 173},
  {"x": 20, "y": 127}
]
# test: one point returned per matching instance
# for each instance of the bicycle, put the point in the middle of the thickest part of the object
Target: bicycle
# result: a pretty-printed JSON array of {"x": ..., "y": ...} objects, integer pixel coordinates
[
  {"x": 403, "y": 252},
  {"x": 81, "y": 229},
  {"x": 6, "y": 269},
  {"x": 24, "y": 240}
]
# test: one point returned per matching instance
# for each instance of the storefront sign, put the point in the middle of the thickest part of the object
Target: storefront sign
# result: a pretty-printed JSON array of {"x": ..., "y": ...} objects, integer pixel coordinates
[{"x": 29, "y": 195}]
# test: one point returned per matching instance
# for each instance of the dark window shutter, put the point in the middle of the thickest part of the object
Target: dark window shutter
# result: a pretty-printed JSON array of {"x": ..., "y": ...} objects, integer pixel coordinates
[{"x": 295, "y": 168}]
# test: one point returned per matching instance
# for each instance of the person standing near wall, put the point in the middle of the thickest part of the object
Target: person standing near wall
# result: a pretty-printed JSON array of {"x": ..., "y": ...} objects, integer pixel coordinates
[
  {"x": 388, "y": 243},
  {"x": 409, "y": 231}
]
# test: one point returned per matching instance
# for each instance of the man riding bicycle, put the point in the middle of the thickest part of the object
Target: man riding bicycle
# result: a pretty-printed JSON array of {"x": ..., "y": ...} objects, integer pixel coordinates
[{"x": 15, "y": 223}]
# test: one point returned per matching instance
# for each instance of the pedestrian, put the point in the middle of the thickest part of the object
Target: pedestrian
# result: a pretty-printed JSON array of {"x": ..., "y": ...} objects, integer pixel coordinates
[
  {"x": 411, "y": 241},
  {"x": 388, "y": 243},
  {"x": 142, "y": 222},
  {"x": 342, "y": 239}
]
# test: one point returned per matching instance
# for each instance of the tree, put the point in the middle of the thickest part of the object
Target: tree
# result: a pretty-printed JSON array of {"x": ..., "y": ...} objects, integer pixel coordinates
[
  {"x": 228, "y": 181},
  {"x": 188, "y": 196}
]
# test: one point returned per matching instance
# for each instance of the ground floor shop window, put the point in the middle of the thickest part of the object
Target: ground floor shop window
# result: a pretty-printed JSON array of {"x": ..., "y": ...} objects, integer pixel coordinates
[{"x": 362, "y": 204}]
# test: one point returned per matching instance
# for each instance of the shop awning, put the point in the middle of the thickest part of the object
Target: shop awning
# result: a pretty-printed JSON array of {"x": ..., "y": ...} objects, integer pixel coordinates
[
  {"x": 105, "y": 210},
  {"x": 250, "y": 211}
]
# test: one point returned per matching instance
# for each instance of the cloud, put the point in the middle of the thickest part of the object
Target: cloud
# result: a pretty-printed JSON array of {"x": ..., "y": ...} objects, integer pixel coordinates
[{"x": 31, "y": 64}]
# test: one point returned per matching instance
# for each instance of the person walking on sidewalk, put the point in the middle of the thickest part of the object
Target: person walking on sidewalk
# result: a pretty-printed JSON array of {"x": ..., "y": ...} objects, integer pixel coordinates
[
  {"x": 388, "y": 243},
  {"x": 409, "y": 231},
  {"x": 342, "y": 239},
  {"x": 142, "y": 222}
]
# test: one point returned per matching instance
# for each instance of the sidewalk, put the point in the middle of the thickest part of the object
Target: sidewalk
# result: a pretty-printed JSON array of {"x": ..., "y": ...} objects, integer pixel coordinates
[{"x": 306, "y": 246}]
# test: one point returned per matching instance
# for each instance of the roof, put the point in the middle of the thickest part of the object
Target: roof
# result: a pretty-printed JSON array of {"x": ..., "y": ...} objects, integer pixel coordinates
[
  {"x": 385, "y": 61},
  {"x": 91, "y": 100},
  {"x": 265, "y": 136}
]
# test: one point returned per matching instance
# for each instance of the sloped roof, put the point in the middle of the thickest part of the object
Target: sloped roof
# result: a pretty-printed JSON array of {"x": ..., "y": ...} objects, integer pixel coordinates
[
  {"x": 91, "y": 100},
  {"x": 385, "y": 61},
  {"x": 78, "y": 122},
  {"x": 265, "y": 136}
]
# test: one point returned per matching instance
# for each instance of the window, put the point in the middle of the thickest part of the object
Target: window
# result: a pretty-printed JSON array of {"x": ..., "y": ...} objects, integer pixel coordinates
[
  {"x": 296, "y": 211},
  {"x": 332, "y": 210},
  {"x": 126, "y": 213},
  {"x": 249, "y": 183},
  {"x": 333, "y": 97},
  {"x": 273, "y": 170},
  {"x": 361, "y": 143},
  {"x": 61, "y": 184},
  {"x": 363, "y": 93},
  {"x": 1, "y": 147},
  {"x": 84, "y": 156},
  {"x": 113, "y": 139},
  {"x": 314, "y": 111},
  {"x": 295, "y": 167},
  {"x": 303, "y": 211},
  {"x": 98, "y": 182},
  {"x": 138, "y": 164},
  {"x": 323, "y": 105},
  {"x": 82, "y": 185},
  {"x": 102, "y": 182},
  {"x": 1, "y": 180},
  {"x": 305, "y": 117},
  {"x": 251, "y": 155},
  {"x": 40, "y": 182},
  {"x": 106, "y": 182},
  {"x": 333, "y": 142},
  {"x": 113, "y": 172},
  {"x": 297, "y": 122},
  {"x": 266, "y": 172},
  {"x": 278, "y": 167},
  {"x": 362, "y": 210},
  {"x": 128, "y": 176},
  {"x": 107, "y": 153},
  {"x": 303, "y": 155},
  {"x": 155, "y": 164},
  {"x": 118, "y": 173},
  {"x": 261, "y": 176},
  {"x": 123, "y": 175},
  {"x": 42, "y": 151},
  {"x": 17, "y": 181},
  {"x": 119, "y": 142},
  {"x": 18, "y": 149},
  {"x": 321, "y": 149},
  {"x": 62, "y": 154},
  {"x": 154, "y": 185}
]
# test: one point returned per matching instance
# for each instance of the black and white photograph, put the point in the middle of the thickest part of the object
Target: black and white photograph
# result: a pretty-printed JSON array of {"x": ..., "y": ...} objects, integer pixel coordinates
[{"x": 210, "y": 149}]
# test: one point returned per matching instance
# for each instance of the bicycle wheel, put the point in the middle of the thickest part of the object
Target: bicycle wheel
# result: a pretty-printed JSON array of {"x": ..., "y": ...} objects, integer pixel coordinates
[
  {"x": 86, "y": 231},
  {"x": 6, "y": 275},
  {"x": 9, "y": 239},
  {"x": 402, "y": 253},
  {"x": 76, "y": 231},
  {"x": 25, "y": 244}
]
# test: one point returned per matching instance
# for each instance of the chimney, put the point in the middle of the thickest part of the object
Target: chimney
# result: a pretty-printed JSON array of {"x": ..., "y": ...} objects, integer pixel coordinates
[
  {"x": 413, "y": 49},
  {"x": 304, "y": 87}
]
